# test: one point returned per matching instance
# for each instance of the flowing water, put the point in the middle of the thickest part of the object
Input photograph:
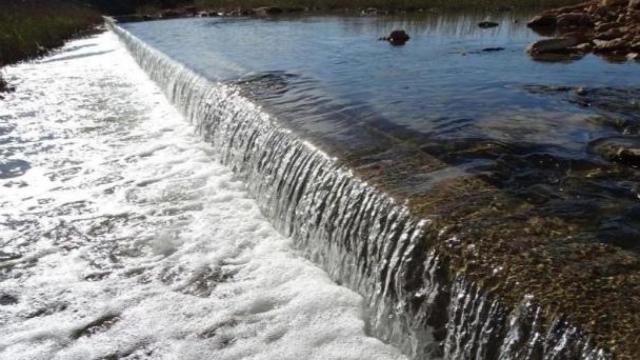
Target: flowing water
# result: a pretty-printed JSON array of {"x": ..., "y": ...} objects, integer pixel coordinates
[
  {"x": 123, "y": 237},
  {"x": 156, "y": 228}
]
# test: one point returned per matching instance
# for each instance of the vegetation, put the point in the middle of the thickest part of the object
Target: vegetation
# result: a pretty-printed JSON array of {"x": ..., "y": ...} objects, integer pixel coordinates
[
  {"x": 28, "y": 28},
  {"x": 385, "y": 4},
  {"x": 146, "y": 6}
]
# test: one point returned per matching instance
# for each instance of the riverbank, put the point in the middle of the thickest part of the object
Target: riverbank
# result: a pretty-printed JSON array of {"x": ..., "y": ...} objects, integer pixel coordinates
[
  {"x": 31, "y": 28},
  {"x": 263, "y": 8}
]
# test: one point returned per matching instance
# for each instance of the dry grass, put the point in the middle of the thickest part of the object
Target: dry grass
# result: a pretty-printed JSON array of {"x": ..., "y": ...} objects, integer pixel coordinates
[{"x": 28, "y": 28}]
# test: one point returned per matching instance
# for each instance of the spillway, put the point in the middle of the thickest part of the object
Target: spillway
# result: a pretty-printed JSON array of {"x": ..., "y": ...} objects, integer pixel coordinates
[{"x": 365, "y": 238}]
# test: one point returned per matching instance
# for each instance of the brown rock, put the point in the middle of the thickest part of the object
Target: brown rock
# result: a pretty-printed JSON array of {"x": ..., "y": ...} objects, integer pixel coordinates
[
  {"x": 609, "y": 45},
  {"x": 609, "y": 3},
  {"x": 605, "y": 14},
  {"x": 169, "y": 14},
  {"x": 634, "y": 5},
  {"x": 574, "y": 8},
  {"x": 625, "y": 150},
  {"x": 545, "y": 20},
  {"x": 610, "y": 34},
  {"x": 605, "y": 26},
  {"x": 267, "y": 11},
  {"x": 583, "y": 48},
  {"x": 574, "y": 20},
  {"x": 633, "y": 16},
  {"x": 555, "y": 45}
]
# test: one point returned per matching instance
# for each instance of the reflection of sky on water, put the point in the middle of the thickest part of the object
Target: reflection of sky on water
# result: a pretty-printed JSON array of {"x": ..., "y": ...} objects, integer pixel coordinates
[{"x": 440, "y": 83}]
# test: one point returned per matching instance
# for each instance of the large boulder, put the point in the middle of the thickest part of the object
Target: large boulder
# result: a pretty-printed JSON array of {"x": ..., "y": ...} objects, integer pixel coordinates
[
  {"x": 541, "y": 21},
  {"x": 554, "y": 45}
]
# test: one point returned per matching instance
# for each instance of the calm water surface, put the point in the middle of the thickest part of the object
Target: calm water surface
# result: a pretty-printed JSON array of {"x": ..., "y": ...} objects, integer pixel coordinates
[
  {"x": 440, "y": 83},
  {"x": 519, "y": 124}
]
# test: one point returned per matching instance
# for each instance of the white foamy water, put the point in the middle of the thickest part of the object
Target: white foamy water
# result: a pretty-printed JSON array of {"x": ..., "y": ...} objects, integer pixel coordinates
[{"x": 122, "y": 237}]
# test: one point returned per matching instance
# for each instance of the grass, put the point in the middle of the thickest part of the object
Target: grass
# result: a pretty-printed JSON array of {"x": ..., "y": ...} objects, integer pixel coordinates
[{"x": 29, "y": 28}]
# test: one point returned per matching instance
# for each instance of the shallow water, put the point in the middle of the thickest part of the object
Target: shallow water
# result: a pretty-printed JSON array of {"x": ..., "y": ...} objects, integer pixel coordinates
[
  {"x": 517, "y": 124},
  {"x": 121, "y": 236},
  {"x": 441, "y": 83}
]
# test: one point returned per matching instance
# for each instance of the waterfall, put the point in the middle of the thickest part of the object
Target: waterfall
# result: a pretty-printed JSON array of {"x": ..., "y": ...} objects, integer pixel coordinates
[{"x": 362, "y": 237}]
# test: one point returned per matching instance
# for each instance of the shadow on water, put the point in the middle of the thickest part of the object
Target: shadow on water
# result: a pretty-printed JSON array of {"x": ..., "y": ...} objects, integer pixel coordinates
[
  {"x": 78, "y": 56},
  {"x": 10, "y": 168}
]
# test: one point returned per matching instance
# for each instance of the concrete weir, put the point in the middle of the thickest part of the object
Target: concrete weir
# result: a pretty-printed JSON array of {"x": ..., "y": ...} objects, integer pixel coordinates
[{"x": 450, "y": 265}]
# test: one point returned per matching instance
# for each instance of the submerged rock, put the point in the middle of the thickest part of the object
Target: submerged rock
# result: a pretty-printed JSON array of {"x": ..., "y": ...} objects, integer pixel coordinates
[
  {"x": 624, "y": 150},
  {"x": 487, "y": 24},
  {"x": 397, "y": 37},
  {"x": 6, "y": 299},
  {"x": 5, "y": 87}
]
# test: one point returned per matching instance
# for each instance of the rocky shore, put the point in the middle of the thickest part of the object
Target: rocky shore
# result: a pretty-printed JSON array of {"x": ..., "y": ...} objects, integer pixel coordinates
[{"x": 610, "y": 28}]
